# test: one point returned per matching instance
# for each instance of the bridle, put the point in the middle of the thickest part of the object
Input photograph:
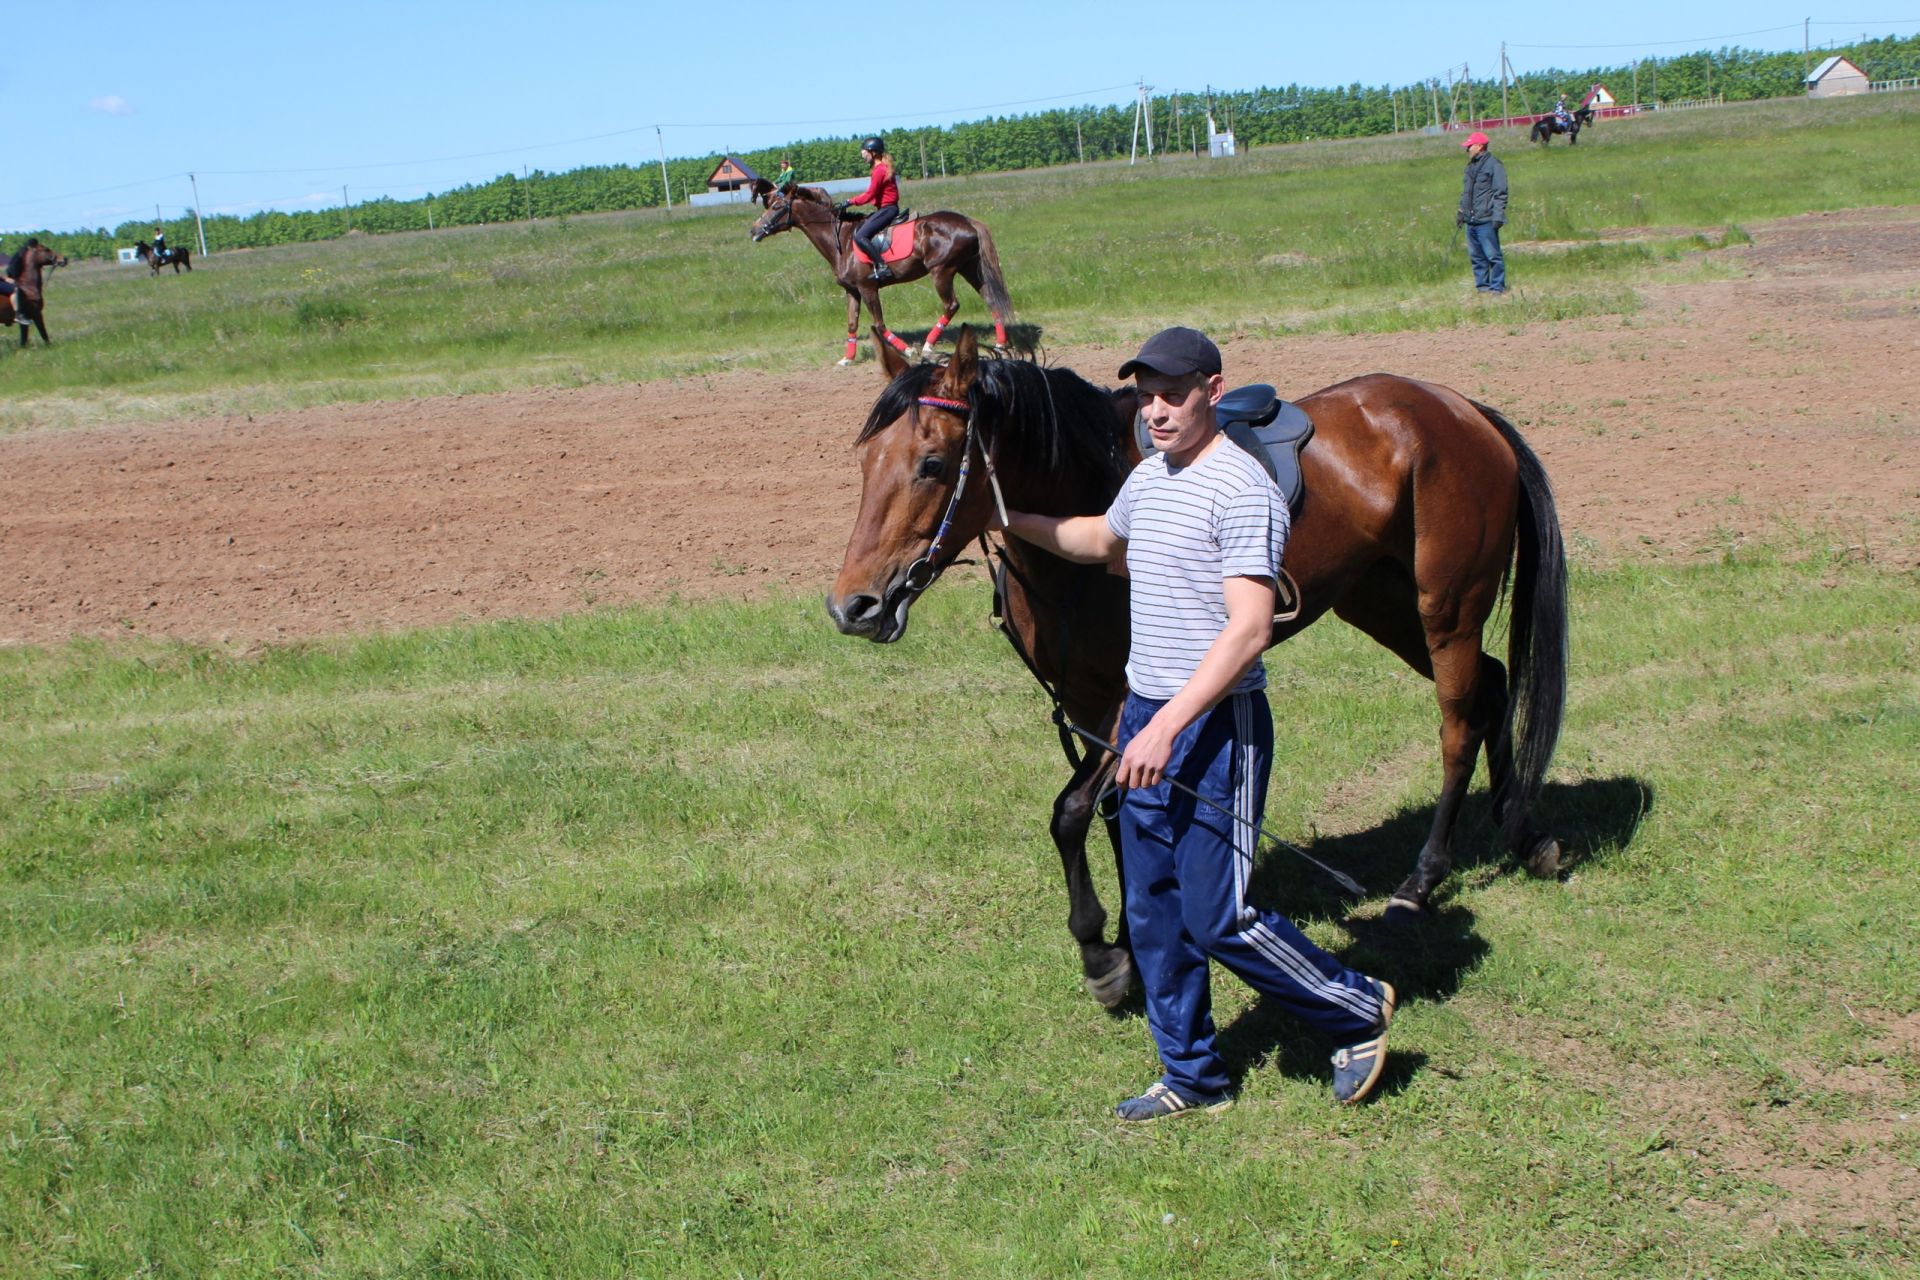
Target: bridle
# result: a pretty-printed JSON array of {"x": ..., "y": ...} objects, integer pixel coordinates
[{"x": 926, "y": 570}]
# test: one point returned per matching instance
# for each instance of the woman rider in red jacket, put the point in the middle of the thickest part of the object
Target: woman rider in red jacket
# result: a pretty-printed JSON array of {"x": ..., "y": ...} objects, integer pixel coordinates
[{"x": 883, "y": 192}]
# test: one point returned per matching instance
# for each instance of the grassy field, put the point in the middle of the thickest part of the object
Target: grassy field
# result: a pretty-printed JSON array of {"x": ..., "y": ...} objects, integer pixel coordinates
[
  {"x": 1326, "y": 236},
  {"x": 564, "y": 949},
  {"x": 698, "y": 941}
]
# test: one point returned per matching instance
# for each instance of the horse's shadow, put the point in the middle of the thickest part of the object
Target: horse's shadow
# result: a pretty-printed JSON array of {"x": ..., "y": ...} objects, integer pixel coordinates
[
  {"x": 1023, "y": 340},
  {"x": 1426, "y": 958}
]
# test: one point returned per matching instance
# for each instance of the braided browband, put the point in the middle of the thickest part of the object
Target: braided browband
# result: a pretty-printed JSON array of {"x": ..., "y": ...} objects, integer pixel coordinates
[{"x": 937, "y": 402}]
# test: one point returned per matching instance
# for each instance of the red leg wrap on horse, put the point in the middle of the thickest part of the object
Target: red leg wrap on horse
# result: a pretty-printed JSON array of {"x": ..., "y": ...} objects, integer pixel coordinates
[
  {"x": 895, "y": 343},
  {"x": 999, "y": 334},
  {"x": 939, "y": 327}
]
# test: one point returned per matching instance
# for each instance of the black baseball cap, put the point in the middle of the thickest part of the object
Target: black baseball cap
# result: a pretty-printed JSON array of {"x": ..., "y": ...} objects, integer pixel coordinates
[{"x": 1173, "y": 352}]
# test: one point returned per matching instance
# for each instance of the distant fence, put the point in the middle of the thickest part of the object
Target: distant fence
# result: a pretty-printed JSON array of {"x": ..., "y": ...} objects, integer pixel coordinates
[
  {"x": 1525, "y": 122},
  {"x": 1893, "y": 86}
]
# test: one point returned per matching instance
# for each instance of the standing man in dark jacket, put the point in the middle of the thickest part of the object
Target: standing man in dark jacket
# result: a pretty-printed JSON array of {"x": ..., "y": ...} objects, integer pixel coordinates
[{"x": 1483, "y": 211}]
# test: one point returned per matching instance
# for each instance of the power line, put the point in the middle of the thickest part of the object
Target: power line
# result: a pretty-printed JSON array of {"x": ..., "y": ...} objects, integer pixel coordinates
[{"x": 75, "y": 195}]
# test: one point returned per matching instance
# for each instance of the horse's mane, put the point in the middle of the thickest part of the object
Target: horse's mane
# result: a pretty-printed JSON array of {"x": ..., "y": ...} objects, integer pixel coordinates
[{"x": 1040, "y": 419}]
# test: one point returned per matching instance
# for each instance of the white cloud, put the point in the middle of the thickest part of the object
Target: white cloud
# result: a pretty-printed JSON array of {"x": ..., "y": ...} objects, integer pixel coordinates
[{"x": 112, "y": 105}]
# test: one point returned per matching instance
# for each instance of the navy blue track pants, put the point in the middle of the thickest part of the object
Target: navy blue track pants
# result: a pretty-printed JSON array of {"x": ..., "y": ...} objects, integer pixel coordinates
[{"x": 1187, "y": 866}]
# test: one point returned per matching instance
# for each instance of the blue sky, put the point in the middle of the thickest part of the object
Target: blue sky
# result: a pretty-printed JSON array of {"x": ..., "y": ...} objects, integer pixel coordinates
[{"x": 280, "y": 105}]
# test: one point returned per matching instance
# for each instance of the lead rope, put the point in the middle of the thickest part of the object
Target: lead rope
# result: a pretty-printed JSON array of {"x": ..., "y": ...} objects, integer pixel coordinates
[{"x": 1340, "y": 878}]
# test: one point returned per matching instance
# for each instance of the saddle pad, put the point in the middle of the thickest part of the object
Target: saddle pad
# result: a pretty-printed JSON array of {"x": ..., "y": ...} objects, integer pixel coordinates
[
  {"x": 893, "y": 245},
  {"x": 1273, "y": 430}
]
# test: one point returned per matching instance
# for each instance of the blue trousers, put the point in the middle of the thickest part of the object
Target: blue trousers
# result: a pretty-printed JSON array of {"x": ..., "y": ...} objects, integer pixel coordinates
[
  {"x": 1483, "y": 249},
  {"x": 1187, "y": 866}
]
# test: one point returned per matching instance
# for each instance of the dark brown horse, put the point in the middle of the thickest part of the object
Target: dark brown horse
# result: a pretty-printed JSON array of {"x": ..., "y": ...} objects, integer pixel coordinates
[
  {"x": 1420, "y": 505},
  {"x": 26, "y": 305},
  {"x": 944, "y": 245},
  {"x": 156, "y": 259}
]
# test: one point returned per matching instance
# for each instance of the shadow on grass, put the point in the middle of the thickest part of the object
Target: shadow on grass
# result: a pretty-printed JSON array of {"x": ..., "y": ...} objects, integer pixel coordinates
[
  {"x": 1428, "y": 957},
  {"x": 1023, "y": 340}
]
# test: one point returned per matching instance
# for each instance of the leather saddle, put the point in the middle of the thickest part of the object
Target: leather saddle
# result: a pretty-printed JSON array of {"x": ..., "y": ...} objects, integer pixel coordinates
[{"x": 1273, "y": 430}]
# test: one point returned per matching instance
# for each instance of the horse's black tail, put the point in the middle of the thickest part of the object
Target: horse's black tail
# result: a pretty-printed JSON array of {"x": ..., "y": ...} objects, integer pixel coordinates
[
  {"x": 1537, "y": 635},
  {"x": 993, "y": 285}
]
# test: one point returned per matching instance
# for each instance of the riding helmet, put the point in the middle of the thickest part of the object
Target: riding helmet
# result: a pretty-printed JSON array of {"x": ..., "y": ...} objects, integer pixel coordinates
[{"x": 875, "y": 145}]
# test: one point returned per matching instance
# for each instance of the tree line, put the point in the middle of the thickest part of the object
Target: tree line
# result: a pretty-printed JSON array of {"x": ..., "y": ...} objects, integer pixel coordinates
[{"x": 1257, "y": 117}]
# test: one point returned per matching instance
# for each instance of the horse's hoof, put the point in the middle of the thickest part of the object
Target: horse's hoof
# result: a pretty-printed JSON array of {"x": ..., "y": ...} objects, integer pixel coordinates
[
  {"x": 1111, "y": 987},
  {"x": 845, "y": 363},
  {"x": 1544, "y": 862},
  {"x": 1402, "y": 911}
]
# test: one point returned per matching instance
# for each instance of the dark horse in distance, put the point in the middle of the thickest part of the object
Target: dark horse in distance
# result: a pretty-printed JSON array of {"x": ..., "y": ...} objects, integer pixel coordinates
[
  {"x": 1545, "y": 127},
  {"x": 26, "y": 305},
  {"x": 943, "y": 245},
  {"x": 1422, "y": 509},
  {"x": 177, "y": 258}
]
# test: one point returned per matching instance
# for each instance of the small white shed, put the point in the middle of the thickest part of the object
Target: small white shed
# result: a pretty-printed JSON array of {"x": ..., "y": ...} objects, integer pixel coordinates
[
  {"x": 1835, "y": 78},
  {"x": 129, "y": 257}
]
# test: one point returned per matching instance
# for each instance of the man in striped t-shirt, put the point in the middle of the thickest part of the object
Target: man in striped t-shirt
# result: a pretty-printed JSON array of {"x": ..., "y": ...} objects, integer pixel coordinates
[{"x": 1203, "y": 528}]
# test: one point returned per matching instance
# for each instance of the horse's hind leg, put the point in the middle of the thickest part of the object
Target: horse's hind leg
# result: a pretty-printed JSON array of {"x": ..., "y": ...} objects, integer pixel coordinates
[
  {"x": 943, "y": 285},
  {"x": 1107, "y": 968},
  {"x": 1537, "y": 851},
  {"x": 971, "y": 273},
  {"x": 1385, "y": 605}
]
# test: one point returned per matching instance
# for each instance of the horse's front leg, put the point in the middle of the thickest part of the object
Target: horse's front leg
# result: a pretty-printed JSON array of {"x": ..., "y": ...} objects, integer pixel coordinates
[
  {"x": 870, "y": 294},
  {"x": 1107, "y": 967},
  {"x": 853, "y": 329},
  {"x": 942, "y": 285}
]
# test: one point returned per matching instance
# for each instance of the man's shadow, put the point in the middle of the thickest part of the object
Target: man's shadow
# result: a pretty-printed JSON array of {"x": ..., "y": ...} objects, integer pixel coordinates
[{"x": 1426, "y": 957}]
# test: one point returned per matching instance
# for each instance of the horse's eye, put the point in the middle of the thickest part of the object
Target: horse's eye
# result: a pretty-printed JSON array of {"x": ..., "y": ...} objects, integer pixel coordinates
[{"x": 932, "y": 467}]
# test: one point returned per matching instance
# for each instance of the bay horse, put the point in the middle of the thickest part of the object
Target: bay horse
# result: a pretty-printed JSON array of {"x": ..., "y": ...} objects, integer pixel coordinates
[
  {"x": 179, "y": 257},
  {"x": 26, "y": 305},
  {"x": 1422, "y": 509},
  {"x": 945, "y": 244}
]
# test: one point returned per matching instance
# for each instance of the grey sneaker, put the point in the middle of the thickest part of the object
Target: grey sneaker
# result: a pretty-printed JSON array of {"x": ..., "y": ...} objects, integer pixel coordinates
[
  {"x": 1162, "y": 1100},
  {"x": 1357, "y": 1067}
]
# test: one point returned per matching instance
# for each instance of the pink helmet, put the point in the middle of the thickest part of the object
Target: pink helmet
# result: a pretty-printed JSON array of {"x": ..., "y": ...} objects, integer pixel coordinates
[{"x": 1476, "y": 139}]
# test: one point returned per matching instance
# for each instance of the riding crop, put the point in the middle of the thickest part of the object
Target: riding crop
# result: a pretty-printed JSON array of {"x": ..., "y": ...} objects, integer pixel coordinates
[{"x": 1341, "y": 878}]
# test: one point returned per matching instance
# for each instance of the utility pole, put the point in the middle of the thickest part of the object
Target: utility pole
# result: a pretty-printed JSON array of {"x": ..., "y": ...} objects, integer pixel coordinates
[
  {"x": 1079, "y": 140},
  {"x": 1806, "y": 48},
  {"x": 346, "y": 208},
  {"x": 429, "y": 213},
  {"x": 1142, "y": 109},
  {"x": 1505, "y": 113},
  {"x": 528, "y": 179},
  {"x": 666, "y": 190},
  {"x": 198, "y": 224},
  {"x": 923, "y": 157}
]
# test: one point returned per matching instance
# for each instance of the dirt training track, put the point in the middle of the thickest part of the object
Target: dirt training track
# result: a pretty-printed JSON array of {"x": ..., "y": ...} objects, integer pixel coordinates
[{"x": 1776, "y": 406}]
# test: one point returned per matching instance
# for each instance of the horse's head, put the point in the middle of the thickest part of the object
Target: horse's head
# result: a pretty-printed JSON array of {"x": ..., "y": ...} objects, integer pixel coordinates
[
  {"x": 779, "y": 214},
  {"x": 917, "y": 507}
]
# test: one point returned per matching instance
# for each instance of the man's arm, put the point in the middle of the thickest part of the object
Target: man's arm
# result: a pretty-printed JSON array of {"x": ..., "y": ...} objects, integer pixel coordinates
[
  {"x": 1085, "y": 539},
  {"x": 1500, "y": 195},
  {"x": 1240, "y": 643}
]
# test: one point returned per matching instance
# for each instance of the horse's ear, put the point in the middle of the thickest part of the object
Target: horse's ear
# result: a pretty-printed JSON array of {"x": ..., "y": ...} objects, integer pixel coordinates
[
  {"x": 964, "y": 367},
  {"x": 892, "y": 363}
]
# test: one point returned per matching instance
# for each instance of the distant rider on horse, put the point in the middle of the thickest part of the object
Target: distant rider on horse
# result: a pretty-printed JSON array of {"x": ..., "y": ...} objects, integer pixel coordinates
[
  {"x": 883, "y": 192},
  {"x": 1562, "y": 116},
  {"x": 159, "y": 245},
  {"x": 9, "y": 288}
]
